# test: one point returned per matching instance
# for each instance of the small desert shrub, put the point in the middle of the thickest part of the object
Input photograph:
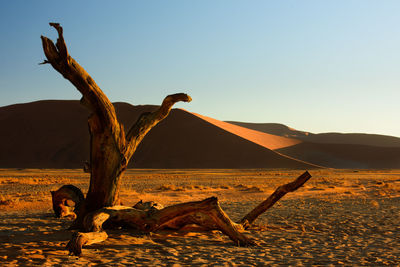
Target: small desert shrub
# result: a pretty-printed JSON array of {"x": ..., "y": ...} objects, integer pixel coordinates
[
  {"x": 199, "y": 187},
  {"x": 253, "y": 188},
  {"x": 241, "y": 187},
  {"x": 225, "y": 187},
  {"x": 179, "y": 188},
  {"x": 166, "y": 187},
  {"x": 189, "y": 187},
  {"x": 169, "y": 187},
  {"x": 6, "y": 200}
]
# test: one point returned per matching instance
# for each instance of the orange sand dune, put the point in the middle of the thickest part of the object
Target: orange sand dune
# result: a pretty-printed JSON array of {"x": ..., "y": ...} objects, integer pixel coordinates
[{"x": 263, "y": 139}]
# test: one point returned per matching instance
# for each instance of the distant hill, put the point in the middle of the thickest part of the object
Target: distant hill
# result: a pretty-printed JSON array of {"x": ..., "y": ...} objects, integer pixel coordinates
[
  {"x": 54, "y": 134},
  {"x": 325, "y": 138},
  {"x": 346, "y": 156},
  {"x": 336, "y": 150}
]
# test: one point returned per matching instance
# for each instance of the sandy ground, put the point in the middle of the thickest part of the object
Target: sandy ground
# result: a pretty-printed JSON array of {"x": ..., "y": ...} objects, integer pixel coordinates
[{"x": 340, "y": 217}]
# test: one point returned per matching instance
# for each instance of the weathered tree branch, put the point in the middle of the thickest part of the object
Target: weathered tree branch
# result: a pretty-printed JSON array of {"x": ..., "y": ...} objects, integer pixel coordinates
[
  {"x": 57, "y": 55},
  {"x": 272, "y": 199},
  {"x": 148, "y": 120}
]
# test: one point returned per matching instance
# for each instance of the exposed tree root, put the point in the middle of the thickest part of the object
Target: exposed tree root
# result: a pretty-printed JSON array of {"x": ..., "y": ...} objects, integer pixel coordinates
[
  {"x": 66, "y": 200},
  {"x": 79, "y": 240}
]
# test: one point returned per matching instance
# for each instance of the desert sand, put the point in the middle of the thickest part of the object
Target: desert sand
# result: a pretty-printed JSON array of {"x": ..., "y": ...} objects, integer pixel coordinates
[{"x": 340, "y": 217}]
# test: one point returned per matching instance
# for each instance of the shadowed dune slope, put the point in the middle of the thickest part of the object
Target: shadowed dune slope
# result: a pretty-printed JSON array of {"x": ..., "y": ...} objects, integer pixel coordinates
[
  {"x": 336, "y": 150},
  {"x": 325, "y": 138},
  {"x": 54, "y": 134},
  {"x": 44, "y": 134},
  {"x": 354, "y": 138},
  {"x": 346, "y": 156},
  {"x": 184, "y": 140}
]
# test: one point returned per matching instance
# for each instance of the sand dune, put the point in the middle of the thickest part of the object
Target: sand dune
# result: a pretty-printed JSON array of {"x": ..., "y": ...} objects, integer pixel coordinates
[
  {"x": 324, "y": 138},
  {"x": 53, "y": 134},
  {"x": 266, "y": 140},
  {"x": 184, "y": 140},
  {"x": 272, "y": 128},
  {"x": 336, "y": 150},
  {"x": 345, "y": 155},
  {"x": 44, "y": 134}
]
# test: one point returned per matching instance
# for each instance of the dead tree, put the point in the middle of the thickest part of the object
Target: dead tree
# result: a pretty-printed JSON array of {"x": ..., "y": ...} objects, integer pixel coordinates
[
  {"x": 110, "y": 147},
  {"x": 110, "y": 151}
]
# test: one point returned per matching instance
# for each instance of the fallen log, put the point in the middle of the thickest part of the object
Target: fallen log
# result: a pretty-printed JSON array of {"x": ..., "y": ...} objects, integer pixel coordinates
[
  {"x": 206, "y": 213},
  {"x": 147, "y": 217}
]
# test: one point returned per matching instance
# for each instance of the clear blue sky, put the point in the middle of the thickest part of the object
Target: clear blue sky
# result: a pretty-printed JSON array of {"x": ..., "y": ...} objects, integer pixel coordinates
[{"x": 319, "y": 66}]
